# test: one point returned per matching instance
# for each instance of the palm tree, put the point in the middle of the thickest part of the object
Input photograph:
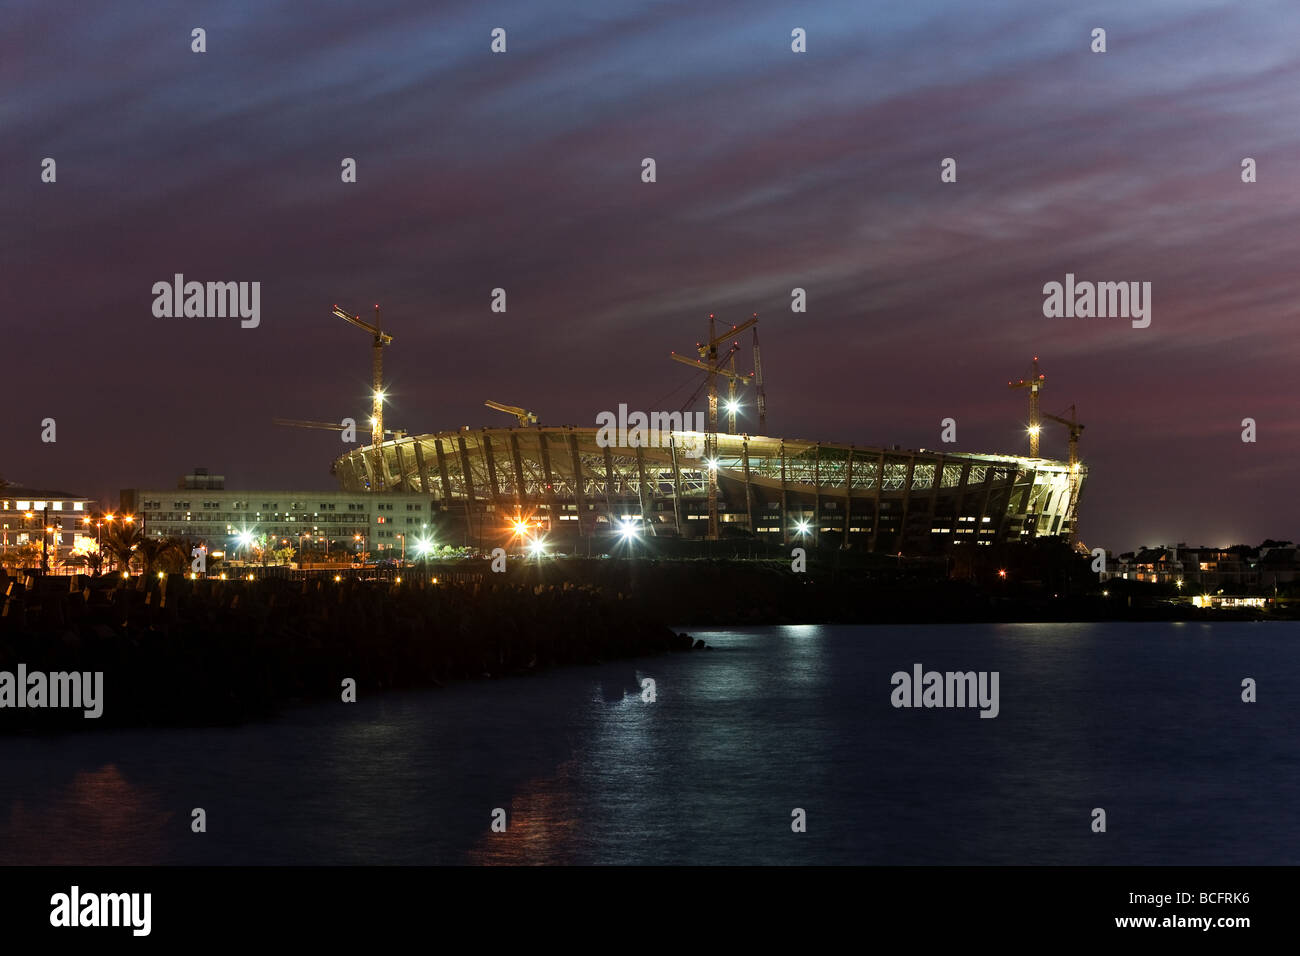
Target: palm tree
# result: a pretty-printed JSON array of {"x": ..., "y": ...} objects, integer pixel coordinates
[
  {"x": 121, "y": 542},
  {"x": 175, "y": 555}
]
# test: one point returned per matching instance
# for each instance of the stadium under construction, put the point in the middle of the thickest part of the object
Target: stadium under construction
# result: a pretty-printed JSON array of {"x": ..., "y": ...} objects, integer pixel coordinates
[
  {"x": 562, "y": 484},
  {"x": 567, "y": 484}
]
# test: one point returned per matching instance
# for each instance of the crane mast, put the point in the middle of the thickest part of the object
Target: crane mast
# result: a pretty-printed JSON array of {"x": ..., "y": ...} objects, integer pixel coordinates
[
  {"x": 1036, "y": 382},
  {"x": 379, "y": 340}
]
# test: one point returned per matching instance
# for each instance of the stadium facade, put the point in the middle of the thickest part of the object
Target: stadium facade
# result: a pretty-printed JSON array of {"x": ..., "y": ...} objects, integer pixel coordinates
[{"x": 568, "y": 482}]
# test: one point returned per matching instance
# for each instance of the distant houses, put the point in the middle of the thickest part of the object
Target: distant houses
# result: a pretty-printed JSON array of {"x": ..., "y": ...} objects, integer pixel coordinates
[{"x": 1236, "y": 570}]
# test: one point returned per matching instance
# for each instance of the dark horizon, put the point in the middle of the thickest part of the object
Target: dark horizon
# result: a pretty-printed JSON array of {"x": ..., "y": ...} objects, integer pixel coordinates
[{"x": 775, "y": 170}]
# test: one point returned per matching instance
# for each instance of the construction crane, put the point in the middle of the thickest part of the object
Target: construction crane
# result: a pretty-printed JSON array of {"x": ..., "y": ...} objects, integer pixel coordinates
[
  {"x": 729, "y": 373},
  {"x": 1037, "y": 381},
  {"x": 525, "y": 417},
  {"x": 759, "y": 394},
  {"x": 1075, "y": 430},
  {"x": 381, "y": 338},
  {"x": 708, "y": 352}
]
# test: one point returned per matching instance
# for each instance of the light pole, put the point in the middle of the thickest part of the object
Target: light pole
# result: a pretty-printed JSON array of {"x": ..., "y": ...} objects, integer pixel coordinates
[
  {"x": 401, "y": 562},
  {"x": 45, "y": 553}
]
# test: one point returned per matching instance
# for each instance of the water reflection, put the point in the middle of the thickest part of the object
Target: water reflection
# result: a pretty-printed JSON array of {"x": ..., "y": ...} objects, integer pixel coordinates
[{"x": 97, "y": 819}]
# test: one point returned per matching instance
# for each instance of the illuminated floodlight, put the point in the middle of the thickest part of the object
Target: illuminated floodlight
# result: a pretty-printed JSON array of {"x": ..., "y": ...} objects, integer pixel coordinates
[
  {"x": 733, "y": 407},
  {"x": 521, "y": 527},
  {"x": 712, "y": 463},
  {"x": 379, "y": 396},
  {"x": 424, "y": 547},
  {"x": 802, "y": 527},
  {"x": 537, "y": 548},
  {"x": 244, "y": 538},
  {"x": 629, "y": 530},
  {"x": 1033, "y": 430}
]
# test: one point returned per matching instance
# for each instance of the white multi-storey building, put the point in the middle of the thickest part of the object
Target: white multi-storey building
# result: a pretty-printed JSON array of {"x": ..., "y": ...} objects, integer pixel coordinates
[
  {"x": 203, "y": 511},
  {"x": 31, "y": 516}
]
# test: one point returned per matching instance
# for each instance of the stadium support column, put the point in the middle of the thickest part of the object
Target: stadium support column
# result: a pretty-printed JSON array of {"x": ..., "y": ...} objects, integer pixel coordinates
[
  {"x": 987, "y": 493},
  {"x": 643, "y": 494},
  {"x": 934, "y": 499},
  {"x": 907, "y": 503},
  {"x": 579, "y": 492},
  {"x": 417, "y": 447},
  {"x": 677, "y": 485},
  {"x": 785, "y": 501},
  {"x": 544, "y": 452},
  {"x": 1012, "y": 476},
  {"x": 609, "y": 486},
  {"x": 749, "y": 488},
  {"x": 467, "y": 475},
  {"x": 848, "y": 498},
  {"x": 521, "y": 491},
  {"x": 402, "y": 483},
  {"x": 442, "y": 474},
  {"x": 875, "y": 500},
  {"x": 817, "y": 495},
  {"x": 959, "y": 505},
  {"x": 1025, "y": 499},
  {"x": 490, "y": 459}
]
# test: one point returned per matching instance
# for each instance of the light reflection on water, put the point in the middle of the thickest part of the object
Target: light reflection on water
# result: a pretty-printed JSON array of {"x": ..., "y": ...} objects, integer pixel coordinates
[{"x": 1144, "y": 720}]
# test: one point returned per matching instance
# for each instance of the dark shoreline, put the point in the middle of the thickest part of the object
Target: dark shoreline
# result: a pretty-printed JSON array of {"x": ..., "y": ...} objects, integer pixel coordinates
[
  {"x": 178, "y": 652},
  {"x": 210, "y": 652}
]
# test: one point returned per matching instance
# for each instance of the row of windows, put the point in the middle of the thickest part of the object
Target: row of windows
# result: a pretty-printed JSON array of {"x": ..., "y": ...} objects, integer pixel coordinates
[
  {"x": 271, "y": 506},
  {"x": 42, "y": 505},
  {"x": 305, "y": 520}
]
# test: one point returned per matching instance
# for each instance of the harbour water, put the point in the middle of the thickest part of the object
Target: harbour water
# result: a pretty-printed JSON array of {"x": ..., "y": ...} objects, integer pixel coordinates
[{"x": 1145, "y": 721}]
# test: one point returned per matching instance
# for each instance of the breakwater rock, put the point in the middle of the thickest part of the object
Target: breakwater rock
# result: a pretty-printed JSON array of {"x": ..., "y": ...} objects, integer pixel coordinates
[{"x": 176, "y": 651}]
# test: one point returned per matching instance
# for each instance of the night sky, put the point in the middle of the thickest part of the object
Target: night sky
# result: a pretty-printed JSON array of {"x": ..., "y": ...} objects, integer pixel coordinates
[{"x": 775, "y": 170}]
